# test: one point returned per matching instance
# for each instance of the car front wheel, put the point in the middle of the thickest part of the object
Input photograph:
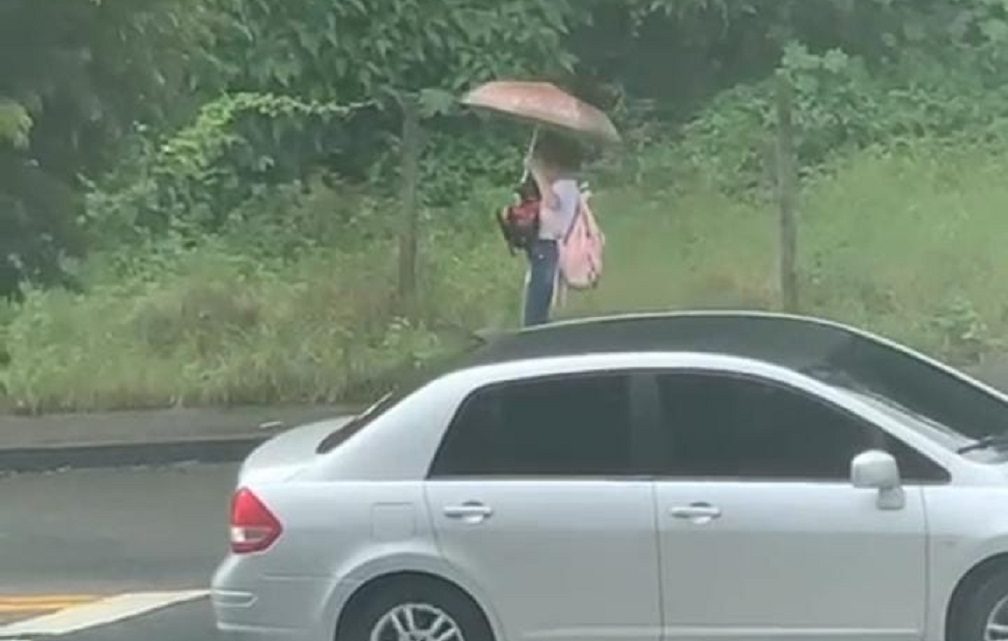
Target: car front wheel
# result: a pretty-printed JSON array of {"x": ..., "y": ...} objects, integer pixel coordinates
[{"x": 983, "y": 615}]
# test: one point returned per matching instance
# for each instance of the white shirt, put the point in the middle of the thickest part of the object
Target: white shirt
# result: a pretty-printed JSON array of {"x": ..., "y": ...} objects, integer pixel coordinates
[{"x": 556, "y": 220}]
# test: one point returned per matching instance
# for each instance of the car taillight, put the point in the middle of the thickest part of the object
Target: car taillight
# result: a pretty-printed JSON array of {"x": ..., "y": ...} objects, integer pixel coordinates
[{"x": 253, "y": 526}]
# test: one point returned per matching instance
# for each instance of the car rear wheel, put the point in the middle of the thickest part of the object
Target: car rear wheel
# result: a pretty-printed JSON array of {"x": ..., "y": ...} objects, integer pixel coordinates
[
  {"x": 983, "y": 615},
  {"x": 415, "y": 610}
]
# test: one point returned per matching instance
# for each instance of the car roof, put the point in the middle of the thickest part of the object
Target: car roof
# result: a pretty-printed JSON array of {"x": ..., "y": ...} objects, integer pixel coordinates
[
  {"x": 828, "y": 351},
  {"x": 794, "y": 342}
]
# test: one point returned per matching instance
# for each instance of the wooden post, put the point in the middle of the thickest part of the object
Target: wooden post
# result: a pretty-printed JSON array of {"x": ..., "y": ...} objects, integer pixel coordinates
[
  {"x": 409, "y": 229},
  {"x": 787, "y": 183}
]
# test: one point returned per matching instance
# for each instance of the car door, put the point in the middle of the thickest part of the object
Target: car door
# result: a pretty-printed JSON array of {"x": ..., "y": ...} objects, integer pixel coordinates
[
  {"x": 762, "y": 536},
  {"x": 535, "y": 499}
]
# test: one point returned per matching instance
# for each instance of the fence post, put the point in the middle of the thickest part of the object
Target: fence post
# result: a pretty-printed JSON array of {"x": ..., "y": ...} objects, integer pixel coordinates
[
  {"x": 408, "y": 232},
  {"x": 787, "y": 184}
]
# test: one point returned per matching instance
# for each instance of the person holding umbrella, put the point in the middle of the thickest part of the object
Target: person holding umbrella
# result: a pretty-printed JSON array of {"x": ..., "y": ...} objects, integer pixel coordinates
[
  {"x": 552, "y": 164},
  {"x": 553, "y": 159}
]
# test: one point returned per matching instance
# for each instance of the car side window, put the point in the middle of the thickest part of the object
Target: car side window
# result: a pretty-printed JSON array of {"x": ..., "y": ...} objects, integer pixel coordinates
[
  {"x": 724, "y": 426},
  {"x": 570, "y": 426}
]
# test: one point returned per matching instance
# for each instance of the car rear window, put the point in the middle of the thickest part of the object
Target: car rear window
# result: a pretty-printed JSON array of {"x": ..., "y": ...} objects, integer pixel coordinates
[
  {"x": 357, "y": 423},
  {"x": 449, "y": 360}
]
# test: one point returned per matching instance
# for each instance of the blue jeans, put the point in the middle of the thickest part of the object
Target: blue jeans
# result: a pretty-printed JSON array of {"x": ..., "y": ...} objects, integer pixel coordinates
[{"x": 542, "y": 258}]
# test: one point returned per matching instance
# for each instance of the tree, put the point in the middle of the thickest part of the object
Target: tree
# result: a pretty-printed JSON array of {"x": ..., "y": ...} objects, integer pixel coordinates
[
  {"x": 408, "y": 56},
  {"x": 74, "y": 78}
]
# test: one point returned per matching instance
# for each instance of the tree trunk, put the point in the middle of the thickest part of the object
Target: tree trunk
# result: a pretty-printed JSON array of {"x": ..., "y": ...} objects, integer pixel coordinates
[
  {"x": 409, "y": 228},
  {"x": 787, "y": 182}
]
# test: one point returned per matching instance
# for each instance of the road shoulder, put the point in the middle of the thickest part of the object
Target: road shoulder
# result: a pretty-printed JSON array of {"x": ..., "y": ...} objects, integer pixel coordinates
[{"x": 154, "y": 437}]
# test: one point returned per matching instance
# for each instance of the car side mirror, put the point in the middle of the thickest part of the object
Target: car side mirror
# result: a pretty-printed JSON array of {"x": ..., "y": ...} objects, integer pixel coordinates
[{"x": 877, "y": 470}]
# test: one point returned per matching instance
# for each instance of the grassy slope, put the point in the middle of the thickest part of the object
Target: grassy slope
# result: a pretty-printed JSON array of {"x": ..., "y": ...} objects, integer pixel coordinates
[{"x": 906, "y": 244}]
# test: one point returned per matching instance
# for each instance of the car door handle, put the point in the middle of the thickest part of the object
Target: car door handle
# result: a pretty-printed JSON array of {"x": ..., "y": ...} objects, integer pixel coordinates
[
  {"x": 696, "y": 512},
  {"x": 470, "y": 512}
]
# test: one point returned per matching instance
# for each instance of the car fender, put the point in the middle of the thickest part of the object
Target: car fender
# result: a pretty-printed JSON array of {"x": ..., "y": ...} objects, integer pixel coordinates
[
  {"x": 409, "y": 557},
  {"x": 965, "y": 529}
]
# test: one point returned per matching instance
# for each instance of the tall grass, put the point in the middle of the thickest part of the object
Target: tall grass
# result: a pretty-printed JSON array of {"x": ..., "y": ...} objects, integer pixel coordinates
[
  {"x": 219, "y": 329},
  {"x": 907, "y": 243},
  {"x": 911, "y": 244}
]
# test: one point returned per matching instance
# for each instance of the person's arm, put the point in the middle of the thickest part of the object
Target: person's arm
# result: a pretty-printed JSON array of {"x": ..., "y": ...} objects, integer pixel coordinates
[{"x": 546, "y": 194}]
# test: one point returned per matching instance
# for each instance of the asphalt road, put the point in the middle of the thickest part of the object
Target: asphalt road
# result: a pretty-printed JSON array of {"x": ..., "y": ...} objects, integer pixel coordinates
[
  {"x": 191, "y": 622},
  {"x": 114, "y": 531}
]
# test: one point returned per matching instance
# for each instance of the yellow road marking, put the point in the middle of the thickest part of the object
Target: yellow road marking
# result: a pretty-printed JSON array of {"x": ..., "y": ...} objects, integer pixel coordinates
[
  {"x": 47, "y": 598},
  {"x": 42, "y": 602},
  {"x": 29, "y": 609}
]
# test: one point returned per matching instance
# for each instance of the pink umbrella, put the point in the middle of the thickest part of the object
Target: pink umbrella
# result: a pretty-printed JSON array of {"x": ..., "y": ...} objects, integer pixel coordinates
[{"x": 543, "y": 103}]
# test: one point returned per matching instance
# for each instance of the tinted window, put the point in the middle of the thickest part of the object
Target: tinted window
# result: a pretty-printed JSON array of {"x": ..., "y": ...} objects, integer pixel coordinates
[
  {"x": 723, "y": 426},
  {"x": 566, "y": 426},
  {"x": 412, "y": 379}
]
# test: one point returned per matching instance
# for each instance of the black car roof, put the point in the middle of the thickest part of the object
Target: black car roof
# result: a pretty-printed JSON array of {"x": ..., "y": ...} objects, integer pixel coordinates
[
  {"x": 828, "y": 351},
  {"x": 790, "y": 341}
]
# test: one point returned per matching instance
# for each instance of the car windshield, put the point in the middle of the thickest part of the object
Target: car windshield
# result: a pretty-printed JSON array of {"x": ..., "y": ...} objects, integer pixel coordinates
[
  {"x": 900, "y": 379},
  {"x": 941, "y": 434},
  {"x": 936, "y": 430}
]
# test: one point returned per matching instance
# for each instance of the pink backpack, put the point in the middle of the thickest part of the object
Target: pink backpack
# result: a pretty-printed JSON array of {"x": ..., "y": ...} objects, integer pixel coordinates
[{"x": 580, "y": 265}]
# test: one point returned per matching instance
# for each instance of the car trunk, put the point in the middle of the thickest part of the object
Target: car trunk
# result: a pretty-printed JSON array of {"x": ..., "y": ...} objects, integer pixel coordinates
[{"x": 285, "y": 454}]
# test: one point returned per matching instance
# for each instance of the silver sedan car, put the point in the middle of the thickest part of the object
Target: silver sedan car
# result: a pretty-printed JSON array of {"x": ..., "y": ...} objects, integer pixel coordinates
[{"x": 701, "y": 476}]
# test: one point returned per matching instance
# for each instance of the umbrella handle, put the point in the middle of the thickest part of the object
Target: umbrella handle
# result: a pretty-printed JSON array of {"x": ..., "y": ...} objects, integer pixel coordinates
[{"x": 528, "y": 154}]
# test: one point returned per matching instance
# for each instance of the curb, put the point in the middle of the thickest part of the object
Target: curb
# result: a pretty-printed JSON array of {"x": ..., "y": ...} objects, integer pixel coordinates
[
  {"x": 148, "y": 437},
  {"x": 56, "y": 457}
]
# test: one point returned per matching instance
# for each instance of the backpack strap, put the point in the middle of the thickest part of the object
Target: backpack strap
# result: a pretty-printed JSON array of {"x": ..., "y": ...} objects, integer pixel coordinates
[{"x": 578, "y": 212}]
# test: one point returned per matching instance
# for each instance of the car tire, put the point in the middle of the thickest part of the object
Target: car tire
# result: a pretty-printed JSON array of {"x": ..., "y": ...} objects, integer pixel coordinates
[
  {"x": 984, "y": 598},
  {"x": 376, "y": 615}
]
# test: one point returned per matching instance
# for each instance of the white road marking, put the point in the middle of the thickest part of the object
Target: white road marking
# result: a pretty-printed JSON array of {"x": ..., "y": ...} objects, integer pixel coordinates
[{"x": 103, "y": 612}]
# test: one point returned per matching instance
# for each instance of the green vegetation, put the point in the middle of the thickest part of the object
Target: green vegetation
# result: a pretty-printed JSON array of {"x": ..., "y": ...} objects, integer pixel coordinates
[
  {"x": 905, "y": 242},
  {"x": 212, "y": 325},
  {"x": 208, "y": 213}
]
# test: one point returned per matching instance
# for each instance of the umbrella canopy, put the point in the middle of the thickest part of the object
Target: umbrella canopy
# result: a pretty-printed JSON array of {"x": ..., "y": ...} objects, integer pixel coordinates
[{"x": 543, "y": 103}]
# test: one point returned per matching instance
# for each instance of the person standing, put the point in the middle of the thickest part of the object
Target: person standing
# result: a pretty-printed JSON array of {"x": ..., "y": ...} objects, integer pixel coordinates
[{"x": 553, "y": 164}]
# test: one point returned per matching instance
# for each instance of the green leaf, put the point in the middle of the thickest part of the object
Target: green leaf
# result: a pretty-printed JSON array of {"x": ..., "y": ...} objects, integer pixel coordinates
[
  {"x": 994, "y": 29},
  {"x": 435, "y": 102},
  {"x": 15, "y": 124}
]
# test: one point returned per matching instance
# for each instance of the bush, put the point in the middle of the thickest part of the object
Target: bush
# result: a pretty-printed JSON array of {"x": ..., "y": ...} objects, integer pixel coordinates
[{"x": 840, "y": 106}]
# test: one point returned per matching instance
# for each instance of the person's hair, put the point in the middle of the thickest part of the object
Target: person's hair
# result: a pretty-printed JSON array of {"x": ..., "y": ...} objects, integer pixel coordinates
[{"x": 558, "y": 152}]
